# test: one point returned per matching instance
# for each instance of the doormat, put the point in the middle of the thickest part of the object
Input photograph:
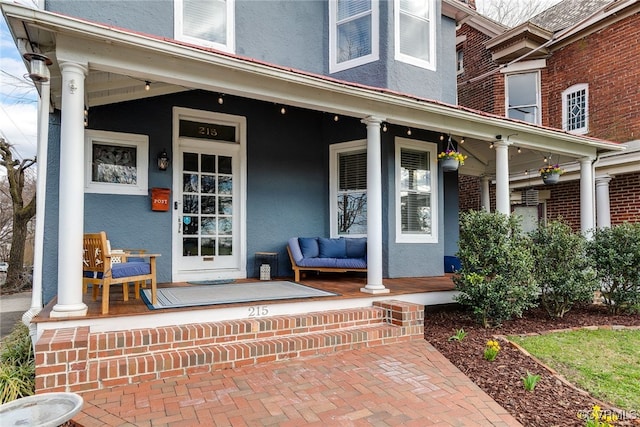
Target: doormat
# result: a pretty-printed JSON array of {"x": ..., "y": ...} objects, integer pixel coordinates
[
  {"x": 212, "y": 282},
  {"x": 193, "y": 296}
]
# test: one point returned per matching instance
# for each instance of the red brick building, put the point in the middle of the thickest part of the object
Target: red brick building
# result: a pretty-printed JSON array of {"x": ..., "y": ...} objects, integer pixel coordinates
[{"x": 575, "y": 66}]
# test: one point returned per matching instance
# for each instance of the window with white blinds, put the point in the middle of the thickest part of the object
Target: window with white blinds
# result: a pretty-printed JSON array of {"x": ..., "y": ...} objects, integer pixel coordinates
[
  {"x": 353, "y": 33},
  {"x": 416, "y": 184},
  {"x": 415, "y": 32},
  {"x": 348, "y": 181},
  {"x": 206, "y": 22},
  {"x": 575, "y": 109}
]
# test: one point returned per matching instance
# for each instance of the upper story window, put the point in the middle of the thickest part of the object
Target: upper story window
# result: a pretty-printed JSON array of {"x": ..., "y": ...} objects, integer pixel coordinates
[
  {"x": 348, "y": 188},
  {"x": 416, "y": 191},
  {"x": 415, "y": 32},
  {"x": 459, "y": 61},
  {"x": 575, "y": 109},
  {"x": 209, "y": 23},
  {"x": 523, "y": 96},
  {"x": 353, "y": 33}
]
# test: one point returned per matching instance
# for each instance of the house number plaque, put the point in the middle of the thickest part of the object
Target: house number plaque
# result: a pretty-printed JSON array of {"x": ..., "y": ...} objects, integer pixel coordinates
[{"x": 202, "y": 130}]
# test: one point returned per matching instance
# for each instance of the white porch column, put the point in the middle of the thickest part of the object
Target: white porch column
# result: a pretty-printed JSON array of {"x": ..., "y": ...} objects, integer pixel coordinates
[
  {"x": 503, "y": 203},
  {"x": 71, "y": 193},
  {"x": 374, "y": 208},
  {"x": 603, "y": 204},
  {"x": 485, "y": 199},
  {"x": 586, "y": 196}
]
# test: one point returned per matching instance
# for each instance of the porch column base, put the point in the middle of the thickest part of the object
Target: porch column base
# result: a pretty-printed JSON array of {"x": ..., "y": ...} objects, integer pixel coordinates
[
  {"x": 72, "y": 310},
  {"x": 375, "y": 289}
]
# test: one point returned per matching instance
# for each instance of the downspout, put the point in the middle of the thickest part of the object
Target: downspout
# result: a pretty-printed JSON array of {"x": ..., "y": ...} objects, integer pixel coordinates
[{"x": 41, "y": 185}]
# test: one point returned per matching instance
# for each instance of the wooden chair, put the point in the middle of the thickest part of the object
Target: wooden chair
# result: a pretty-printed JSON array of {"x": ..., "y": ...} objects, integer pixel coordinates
[{"x": 99, "y": 270}]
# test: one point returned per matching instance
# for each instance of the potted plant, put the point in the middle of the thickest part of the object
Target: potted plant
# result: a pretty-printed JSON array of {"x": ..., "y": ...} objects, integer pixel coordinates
[
  {"x": 451, "y": 159},
  {"x": 551, "y": 174}
]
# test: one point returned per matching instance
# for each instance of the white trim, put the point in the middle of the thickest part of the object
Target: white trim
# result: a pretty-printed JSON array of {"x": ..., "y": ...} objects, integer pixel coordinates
[
  {"x": 230, "y": 46},
  {"x": 518, "y": 67},
  {"x": 565, "y": 113},
  {"x": 239, "y": 149},
  {"x": 334, "y": 151},
  {"x": 432, "y": 149},
  {"x": 402, "y": 57},
  {"x": 334, "y": 65},
  {"x": 139, "y": 142}
]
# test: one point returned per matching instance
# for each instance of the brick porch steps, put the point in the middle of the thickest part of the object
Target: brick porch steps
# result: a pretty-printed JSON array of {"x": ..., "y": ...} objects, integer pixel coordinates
[{"x": 74, "y": 359}]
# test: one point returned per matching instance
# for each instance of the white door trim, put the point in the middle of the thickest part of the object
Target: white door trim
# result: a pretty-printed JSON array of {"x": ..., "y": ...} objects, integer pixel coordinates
[{"x": 240, "y": 123}]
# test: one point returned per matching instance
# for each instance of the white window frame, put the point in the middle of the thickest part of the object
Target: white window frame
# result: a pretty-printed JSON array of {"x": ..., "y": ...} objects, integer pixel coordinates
[
  {"x": 459, "y": 61},
  {"x": 139, "y": 142},
  {"x": 334, "y": 152},
  {"x": 334, "y": 65},
  {"x": 403, "y": 57},
  {"x": 565, "y": 112},
  {"x": 432, "y": 149},
  {"x": 230, "y": 46},
  {"x": 538, "y": 118}
]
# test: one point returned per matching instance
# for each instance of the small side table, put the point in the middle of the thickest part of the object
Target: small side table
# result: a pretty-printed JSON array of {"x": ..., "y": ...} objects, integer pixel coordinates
[{"x": 270, "y": 258}]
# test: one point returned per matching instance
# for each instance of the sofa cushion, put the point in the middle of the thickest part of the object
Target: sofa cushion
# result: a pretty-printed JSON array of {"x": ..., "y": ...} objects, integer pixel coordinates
[
  {"x": 351, "y": 263},
  {"x": 309, "y": 247},
  {"x": 332, "y": 248},
  {"x": 356, "y": 247},
  {"x": 318, "y": 262}
]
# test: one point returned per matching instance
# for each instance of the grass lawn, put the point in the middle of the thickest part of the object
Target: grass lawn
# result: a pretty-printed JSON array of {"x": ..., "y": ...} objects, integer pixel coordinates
[{"x": 606, "y": 363}]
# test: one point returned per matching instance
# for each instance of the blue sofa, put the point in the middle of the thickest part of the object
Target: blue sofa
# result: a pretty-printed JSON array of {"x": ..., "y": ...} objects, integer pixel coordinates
[{"x": 327, "y": 255}]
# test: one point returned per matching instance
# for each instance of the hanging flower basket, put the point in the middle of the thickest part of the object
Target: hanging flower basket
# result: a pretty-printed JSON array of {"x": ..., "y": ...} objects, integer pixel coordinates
[
  {"x": 450, "y": 160},
  {"x": 551, "y": 174},
  {"x": 449, "y": 164}
]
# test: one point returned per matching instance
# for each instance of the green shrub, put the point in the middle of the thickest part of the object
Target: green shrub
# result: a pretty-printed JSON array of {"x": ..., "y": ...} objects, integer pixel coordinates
[
  {"x": 615, "y": 252},
  {"x": 562, "y": 269},
  {"x": 496, "y": 279},
  {"x": 17, "y": 367}
]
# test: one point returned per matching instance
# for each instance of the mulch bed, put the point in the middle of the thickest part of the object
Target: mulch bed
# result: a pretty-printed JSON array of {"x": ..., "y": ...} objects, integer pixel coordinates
[{"x": 553, "y": 402}]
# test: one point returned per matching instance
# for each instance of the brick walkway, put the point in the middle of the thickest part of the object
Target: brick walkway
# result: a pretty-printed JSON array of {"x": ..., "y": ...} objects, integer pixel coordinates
[{"x": 402, "y": 384}]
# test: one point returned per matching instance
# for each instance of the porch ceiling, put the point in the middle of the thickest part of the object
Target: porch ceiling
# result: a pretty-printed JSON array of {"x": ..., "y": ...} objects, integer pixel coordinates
[{"x": 120, "y": 62}]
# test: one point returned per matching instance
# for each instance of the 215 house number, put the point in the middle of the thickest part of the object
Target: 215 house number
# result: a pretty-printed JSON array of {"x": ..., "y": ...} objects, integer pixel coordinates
[{"x": 258, "y": 311}]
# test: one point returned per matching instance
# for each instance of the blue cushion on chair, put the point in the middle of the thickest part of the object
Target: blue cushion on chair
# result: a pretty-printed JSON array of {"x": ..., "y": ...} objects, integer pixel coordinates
[
  {"x": 452, "y": 264},
  {"x": 332, "y": 248},
  {"x": 309, "y": 247},
  {"x": 128, "y": 269}
]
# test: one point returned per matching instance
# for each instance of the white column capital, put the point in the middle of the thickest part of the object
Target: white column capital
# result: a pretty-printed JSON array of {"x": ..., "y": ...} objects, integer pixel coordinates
[
  {"x": 372, "y": 121},
  {"x": 603, "y": 179}
]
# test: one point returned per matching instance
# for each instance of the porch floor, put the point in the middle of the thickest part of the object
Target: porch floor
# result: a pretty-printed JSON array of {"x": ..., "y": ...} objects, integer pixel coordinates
[{"x": 346, "y": 285}]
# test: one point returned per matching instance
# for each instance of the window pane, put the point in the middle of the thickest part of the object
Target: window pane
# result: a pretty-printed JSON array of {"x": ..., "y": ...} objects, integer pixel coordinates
[
  {"x": 208, "y": 247},
  {"x": 189, "y": 225},
  {"x": 348, "y": 8},
  {"x": 527, "y": 114},
  {"x": 205, "y": 19},
  {"x": 522, "y": 89},
  {"x": 352, "y": 213},
  {"x": 208, "y": 163},
  {"x": 352, "y": 171},
  {"x": 577, "y": 110},
  {"x": 414, "y": 37},
  {"x": 415, "y": 191},
  {"x": 190, "y": 161},
  {"x": 419, "y": 8},
  {"x": 354, "y": 39}
]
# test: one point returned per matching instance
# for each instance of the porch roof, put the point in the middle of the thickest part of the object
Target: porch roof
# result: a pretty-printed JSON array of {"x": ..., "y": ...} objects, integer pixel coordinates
[{"x": 120, "y": 61}]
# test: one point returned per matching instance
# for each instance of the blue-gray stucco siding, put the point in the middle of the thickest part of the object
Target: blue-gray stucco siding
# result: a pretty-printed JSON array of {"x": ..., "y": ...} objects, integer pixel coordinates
[{"x": 287, "y": 183}]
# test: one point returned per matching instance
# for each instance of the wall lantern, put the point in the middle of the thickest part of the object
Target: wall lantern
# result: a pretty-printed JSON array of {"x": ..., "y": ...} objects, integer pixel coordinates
[
  {"x": 38, "y": 66},
  {"x": 163, "y": 160}
]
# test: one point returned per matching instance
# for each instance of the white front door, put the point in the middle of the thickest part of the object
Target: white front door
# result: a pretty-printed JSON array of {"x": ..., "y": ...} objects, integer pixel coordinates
[{"x": 208, "y": 199}]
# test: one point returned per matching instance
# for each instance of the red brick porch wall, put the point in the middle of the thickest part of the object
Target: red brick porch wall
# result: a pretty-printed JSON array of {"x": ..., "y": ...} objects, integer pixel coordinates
[{"x": 76, "y": 360}]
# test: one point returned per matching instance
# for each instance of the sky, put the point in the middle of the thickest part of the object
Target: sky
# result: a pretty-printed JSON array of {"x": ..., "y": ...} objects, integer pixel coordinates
[{"x": 18, "y": 99}]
